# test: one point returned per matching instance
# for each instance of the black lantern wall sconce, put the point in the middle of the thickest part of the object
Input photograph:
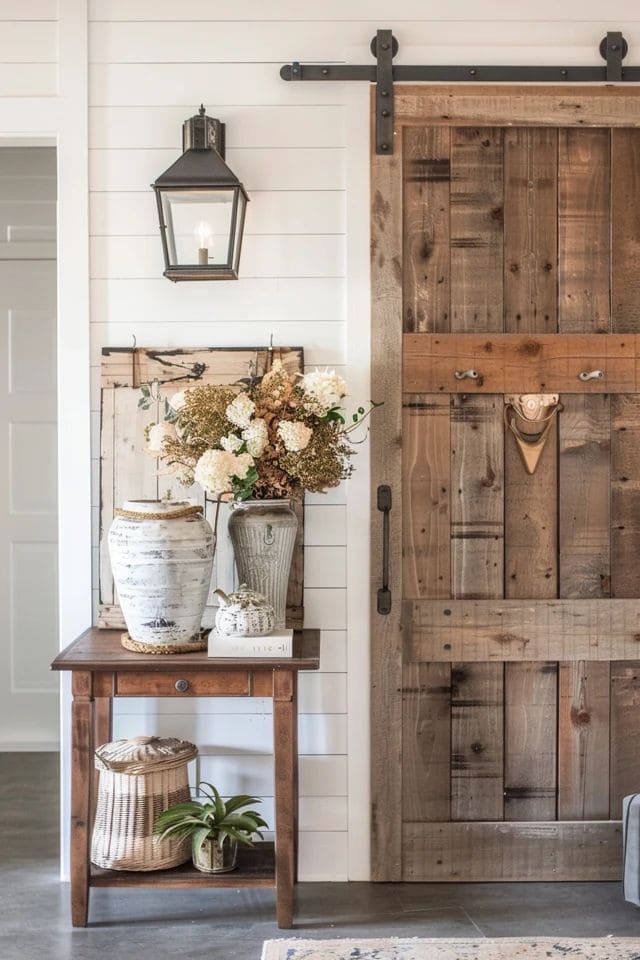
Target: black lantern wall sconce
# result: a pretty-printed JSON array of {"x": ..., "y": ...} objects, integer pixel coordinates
[{"x": 201, "y": 207}]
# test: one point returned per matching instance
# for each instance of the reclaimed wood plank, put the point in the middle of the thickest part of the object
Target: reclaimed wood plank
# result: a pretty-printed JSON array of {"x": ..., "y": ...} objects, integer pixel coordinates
[
  {"x": 107, "y": 487},
  {"x": 515, "y": 363},
  {"x": 531, "y": 500},
  {"x": 625, "y": 732},
  {"x": 426, "y": 471},
  {"x": 531, "y": 519},
  {"x": 530, "y": 234},
  {"x": 585, "y": 478},
  {"x": 386, "y": 468},
  {"x": 475, "y": 852},
  {"x": 583, "y": 741},
  {"x": 426, "y": 741},
  {"x": 477, "y": 721},
  {"x": 179, "y": 366},
  {"x": 476, "y": 225},
  {"x": 484, "y": 630},
  {"x": 127, "y": 472},
  {"x": 584, "y": 242},
  {"x": 625, "y": 496},
  {"x": 426, "y": 253},
  {"x": 517, "y": 105},
  {"x": 530, "y": 776},
  {"x": 477, "y": 504},
  {"x": 625, "y": 230}
]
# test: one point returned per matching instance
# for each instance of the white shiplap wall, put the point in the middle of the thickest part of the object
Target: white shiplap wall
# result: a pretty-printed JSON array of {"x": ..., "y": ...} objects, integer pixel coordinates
[
  {"x": 149, "y": 69},
  {"x": 150, "y": 64},
  {"x": 289, "y": 151},
  {"x": 28, "y": 48}
]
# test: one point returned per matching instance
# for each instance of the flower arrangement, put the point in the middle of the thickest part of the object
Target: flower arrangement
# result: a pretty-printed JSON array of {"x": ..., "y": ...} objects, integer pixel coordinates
[{"x": 276, "y": 437}]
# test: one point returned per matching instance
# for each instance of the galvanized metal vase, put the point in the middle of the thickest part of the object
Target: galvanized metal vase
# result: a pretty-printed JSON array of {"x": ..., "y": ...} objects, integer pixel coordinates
[{"x": 263, "y": 534}]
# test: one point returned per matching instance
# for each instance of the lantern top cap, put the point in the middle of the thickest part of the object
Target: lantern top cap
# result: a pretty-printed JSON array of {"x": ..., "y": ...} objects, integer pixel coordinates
[{"x": 202, "y": 164}]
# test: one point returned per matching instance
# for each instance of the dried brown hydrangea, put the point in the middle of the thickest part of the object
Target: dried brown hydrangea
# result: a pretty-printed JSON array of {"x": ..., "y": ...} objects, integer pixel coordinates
[{"x": 324, "y": 463}]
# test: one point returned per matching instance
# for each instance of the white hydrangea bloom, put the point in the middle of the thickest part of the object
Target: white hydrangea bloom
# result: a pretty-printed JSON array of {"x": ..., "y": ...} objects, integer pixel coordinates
[
  {"x": 295, "y": 435},
  {"x": 326, "y": 387},
  {"x": 241, "y": 464},
  {"x": 231, "y": 443},
  {"x": 256, "y": 437},
  {"x": 156, "y": 436},
  {"x": 240, "y": 410},
  {"x": 176, "y": 402},
  {"x": 213, "y": 471}
]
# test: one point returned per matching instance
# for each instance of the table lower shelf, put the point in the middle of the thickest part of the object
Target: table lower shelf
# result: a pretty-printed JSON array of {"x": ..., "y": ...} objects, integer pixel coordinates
[{"x": 256, "y": 868}]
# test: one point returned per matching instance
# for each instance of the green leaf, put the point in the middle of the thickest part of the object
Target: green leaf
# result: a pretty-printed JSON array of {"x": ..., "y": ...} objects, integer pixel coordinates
[
  {"x": 220, "y": 807},
  {"x": 199, "y": 838},
  {"x": 240, "y": 800}
]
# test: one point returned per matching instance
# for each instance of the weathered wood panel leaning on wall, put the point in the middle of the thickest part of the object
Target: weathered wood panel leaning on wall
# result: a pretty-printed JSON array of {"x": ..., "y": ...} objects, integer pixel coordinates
[
  {"x": 128, "y": 473},
  {"x": 502, "y": 236}
]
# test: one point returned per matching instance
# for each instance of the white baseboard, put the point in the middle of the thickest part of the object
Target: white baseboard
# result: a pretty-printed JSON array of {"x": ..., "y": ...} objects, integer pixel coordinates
[{"x": 29, "y": 746}]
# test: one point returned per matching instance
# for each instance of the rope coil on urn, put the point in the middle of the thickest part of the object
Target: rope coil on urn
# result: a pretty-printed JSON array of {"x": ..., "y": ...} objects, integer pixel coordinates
[{"x": 190, "y": 511}]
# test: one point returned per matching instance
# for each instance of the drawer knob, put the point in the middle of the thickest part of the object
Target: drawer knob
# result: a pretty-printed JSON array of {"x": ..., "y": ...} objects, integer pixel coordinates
[{"x": 182, "y": 685}]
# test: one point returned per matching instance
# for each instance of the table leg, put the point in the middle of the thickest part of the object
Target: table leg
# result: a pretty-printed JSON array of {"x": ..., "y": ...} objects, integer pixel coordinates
[
  {"x": 285, "y": 762},
  {"x": 296, "y": 799},
  {"x": 103, "y": 731},
  {"x": 81, "y": 777}
]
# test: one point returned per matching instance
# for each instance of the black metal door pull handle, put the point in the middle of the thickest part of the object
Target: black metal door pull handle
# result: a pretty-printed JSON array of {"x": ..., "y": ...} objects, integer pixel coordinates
[{"x": 384, "y": 505}]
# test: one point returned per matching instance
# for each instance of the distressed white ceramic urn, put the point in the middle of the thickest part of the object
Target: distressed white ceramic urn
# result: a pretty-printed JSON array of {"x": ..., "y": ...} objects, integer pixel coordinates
[{"x": 162, "y": 558}]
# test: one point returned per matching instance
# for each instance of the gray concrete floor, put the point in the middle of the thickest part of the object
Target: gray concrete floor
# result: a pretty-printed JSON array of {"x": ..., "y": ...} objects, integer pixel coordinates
[{"x": 34, "y": 909}]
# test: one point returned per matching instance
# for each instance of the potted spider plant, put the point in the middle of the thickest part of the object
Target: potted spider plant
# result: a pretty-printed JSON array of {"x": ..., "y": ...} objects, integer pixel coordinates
[{"x": 215, "y": 827}]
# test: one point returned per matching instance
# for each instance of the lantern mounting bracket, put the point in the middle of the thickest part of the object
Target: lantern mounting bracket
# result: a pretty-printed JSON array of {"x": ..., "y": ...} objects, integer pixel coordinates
[{"x": 383, "y": 73}]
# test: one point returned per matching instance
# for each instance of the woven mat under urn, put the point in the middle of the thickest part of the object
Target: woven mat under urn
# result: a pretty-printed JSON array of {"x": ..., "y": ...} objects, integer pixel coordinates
[{"x": 532, "y": 948}]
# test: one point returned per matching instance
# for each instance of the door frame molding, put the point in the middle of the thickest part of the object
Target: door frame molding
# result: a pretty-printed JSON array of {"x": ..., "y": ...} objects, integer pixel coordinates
[{"x": 421, "y": 105}]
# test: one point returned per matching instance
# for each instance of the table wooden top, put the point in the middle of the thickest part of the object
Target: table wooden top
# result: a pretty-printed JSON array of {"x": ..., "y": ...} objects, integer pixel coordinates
[{"x": 97, "y": 649}]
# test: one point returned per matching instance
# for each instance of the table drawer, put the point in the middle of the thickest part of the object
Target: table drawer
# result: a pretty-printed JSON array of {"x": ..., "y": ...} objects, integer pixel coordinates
[{"x": 184, "y": 683}]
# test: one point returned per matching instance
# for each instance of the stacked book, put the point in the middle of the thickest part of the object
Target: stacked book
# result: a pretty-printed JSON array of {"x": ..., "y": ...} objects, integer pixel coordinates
[{"x": 275, "y": 645}]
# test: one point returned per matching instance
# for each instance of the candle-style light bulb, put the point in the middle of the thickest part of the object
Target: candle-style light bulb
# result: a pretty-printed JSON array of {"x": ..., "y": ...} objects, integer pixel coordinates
[{"x": 203, "y": 236}]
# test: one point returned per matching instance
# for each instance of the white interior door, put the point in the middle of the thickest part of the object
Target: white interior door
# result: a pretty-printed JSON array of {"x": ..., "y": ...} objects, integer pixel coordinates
[{"x": 28, "y": 441}]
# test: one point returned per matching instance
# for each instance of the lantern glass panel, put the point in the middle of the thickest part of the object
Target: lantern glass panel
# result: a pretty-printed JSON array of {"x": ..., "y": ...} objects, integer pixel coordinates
[{"x": 200, "y": 225}]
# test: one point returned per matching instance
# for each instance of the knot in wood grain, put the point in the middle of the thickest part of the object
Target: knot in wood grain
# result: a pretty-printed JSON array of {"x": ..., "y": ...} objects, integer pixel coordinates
[
  {"x": 531, "y": 347},
  {"x": 580, "y": 716}
]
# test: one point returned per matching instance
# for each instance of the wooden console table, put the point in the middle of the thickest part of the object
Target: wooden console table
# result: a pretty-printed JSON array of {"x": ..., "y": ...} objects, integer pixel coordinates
[{"x": 102, "y": 670}]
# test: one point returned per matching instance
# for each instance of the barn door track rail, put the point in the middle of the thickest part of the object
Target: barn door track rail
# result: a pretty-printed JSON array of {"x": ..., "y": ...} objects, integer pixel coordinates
[{"x": 384, "y": 47}]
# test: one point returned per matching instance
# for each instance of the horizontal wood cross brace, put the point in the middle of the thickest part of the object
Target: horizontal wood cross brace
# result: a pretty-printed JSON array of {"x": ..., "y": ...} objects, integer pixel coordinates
[
  {"x": 513, "y": 363},
  {"x": 483, "y": 630},
  {"x": 586, "y": 850}
]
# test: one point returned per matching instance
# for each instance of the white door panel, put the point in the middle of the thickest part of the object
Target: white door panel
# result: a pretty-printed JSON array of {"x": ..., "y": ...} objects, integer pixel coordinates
[{"x": 28, "y": 504}]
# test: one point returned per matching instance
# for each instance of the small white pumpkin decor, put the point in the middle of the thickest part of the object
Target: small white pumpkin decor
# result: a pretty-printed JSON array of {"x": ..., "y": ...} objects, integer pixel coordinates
[{"x": 244, "y": 613}]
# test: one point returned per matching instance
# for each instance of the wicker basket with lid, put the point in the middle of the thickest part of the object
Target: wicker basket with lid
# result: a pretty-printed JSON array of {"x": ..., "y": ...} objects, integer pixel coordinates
[{"x": 139, "y": 778}]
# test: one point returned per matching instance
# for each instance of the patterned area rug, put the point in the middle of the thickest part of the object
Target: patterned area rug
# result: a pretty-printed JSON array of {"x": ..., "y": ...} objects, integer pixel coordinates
[{"x": 542, "y": 948}]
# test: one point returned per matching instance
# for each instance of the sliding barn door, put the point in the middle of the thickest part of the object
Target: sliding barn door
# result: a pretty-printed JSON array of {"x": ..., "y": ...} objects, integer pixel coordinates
[{"x": 506, "y": 716}]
